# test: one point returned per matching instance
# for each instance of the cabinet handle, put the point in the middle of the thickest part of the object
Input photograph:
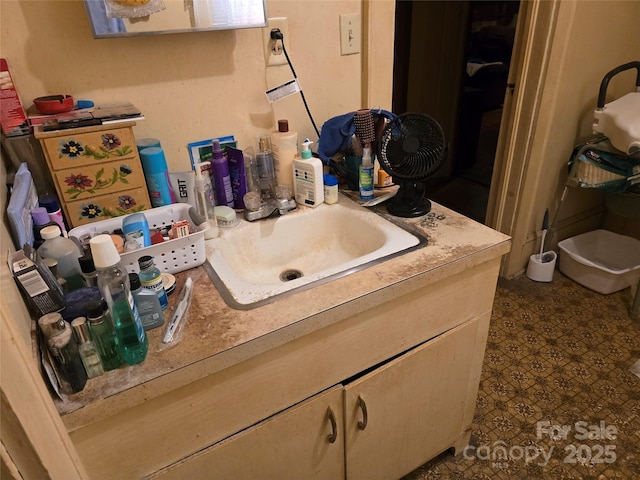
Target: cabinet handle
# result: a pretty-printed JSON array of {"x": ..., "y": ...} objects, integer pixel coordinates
[
  {"x": 334, "y": 426},
  {"x": 362, "y": 424}
]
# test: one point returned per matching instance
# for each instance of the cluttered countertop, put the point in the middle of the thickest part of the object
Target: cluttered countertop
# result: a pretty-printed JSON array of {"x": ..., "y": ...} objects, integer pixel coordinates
[{"x": 216, "y": 336}]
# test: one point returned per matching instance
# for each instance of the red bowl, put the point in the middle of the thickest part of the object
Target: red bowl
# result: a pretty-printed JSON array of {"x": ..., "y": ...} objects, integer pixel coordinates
[{"x": 52, "y": 104}]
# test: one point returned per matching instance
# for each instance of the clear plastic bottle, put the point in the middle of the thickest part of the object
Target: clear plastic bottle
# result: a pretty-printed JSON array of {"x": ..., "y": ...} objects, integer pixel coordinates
[
  {"x": 86, "y": 348},
  {"x": 266, "y": 170},
  {"x": 63, "y": 348},
  {"x": 113, "y": 282},
  {"x": 66, "y": 252},
  {"x": 205, "y": 202},
  {"x": 102, "y": 334},
  {"x": 147, "y": 304},
  {"x": 151, "y": 278}
]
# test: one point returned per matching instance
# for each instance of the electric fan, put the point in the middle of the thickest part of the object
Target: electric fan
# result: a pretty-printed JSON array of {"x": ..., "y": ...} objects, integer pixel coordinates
[{"x": 411, "y": 148}]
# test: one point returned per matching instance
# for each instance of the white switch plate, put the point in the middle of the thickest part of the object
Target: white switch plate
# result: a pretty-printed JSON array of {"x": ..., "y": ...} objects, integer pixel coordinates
[
  {"x": 273, "y": 54},
  {"x": 350, "y": 33}
]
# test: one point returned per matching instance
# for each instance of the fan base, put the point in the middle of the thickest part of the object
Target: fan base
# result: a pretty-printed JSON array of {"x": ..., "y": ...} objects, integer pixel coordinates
[{"x": 412, "y": 209}]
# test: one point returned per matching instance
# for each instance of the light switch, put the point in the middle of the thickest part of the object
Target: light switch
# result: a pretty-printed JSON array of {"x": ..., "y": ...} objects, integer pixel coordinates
[{"x": 350, "y": 33}]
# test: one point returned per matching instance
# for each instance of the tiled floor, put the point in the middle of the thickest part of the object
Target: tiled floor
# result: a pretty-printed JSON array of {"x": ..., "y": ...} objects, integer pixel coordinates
[{"x": 557, "y": 353}]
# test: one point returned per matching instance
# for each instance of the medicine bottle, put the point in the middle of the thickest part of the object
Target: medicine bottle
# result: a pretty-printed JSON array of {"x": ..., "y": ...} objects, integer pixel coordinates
[
  {"x": 330, "y": 188},
  {"x": 151, "y": 278},
  {"x": 102, "y": 334},
  {"x": 147, "y": 304},
  {"x": 113, "y": 282}
]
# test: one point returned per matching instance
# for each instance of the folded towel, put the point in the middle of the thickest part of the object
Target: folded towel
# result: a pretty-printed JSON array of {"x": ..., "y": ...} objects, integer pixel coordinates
[{"x": 336, "y": 133}]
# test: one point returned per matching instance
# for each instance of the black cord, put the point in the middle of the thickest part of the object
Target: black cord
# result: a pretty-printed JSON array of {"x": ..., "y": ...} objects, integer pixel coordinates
[{"x": 276, "y": 34}]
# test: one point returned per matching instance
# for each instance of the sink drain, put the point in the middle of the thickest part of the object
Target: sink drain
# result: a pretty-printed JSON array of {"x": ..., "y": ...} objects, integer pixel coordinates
[{"x": 290, "y": 274}]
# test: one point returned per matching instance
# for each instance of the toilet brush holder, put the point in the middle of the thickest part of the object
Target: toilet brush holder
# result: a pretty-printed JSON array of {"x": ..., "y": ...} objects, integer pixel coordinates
[{"x": 541, "y": 267}]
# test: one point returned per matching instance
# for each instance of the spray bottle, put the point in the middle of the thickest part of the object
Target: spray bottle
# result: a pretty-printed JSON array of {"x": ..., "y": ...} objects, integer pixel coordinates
[
  {"x": 221, "y": 177},
  {"x": 205, "y": 202},
  {"x": 366, "y": 175}
]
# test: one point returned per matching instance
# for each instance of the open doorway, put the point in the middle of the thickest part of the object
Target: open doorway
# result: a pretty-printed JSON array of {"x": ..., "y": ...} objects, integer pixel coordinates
[{"x": 451, "y": 61}]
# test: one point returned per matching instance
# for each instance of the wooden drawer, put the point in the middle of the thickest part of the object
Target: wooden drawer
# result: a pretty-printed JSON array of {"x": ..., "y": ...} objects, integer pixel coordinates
[
  {"x": 75, "y": 150},
  {"x": 100, "y": 178},
  {"x": 93, "y": 209}
]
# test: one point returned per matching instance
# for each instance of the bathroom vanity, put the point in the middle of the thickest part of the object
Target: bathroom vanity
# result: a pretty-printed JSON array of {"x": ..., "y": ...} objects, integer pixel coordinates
[{"x": 367, "y": 376}]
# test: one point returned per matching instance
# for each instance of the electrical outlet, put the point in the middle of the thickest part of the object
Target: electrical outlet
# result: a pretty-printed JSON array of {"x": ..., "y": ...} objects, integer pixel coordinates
[
  {"x": 350, "y": 33},
  {"x": 273, "y": 53}
]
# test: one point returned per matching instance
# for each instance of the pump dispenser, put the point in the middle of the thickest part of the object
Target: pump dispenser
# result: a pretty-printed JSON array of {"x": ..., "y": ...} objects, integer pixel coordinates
[
  {"x": 365, "y": 177},
  {"x": 307, "y": 178},
  {"x": 205, "y": 203}
]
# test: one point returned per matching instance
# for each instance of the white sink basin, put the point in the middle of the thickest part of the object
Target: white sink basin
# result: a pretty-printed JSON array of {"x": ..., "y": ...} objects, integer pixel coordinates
[{"x": 255, "y": 262}]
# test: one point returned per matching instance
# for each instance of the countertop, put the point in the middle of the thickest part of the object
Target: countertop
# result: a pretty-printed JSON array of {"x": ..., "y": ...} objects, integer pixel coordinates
[{"x": 216, "y": 336}]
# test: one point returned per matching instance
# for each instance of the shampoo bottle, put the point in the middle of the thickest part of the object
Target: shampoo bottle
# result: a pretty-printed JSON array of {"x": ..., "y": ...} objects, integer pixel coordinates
[
  {"x": 366, "y": 175},
  {"x": 205, "y": 202},
  {"x": 307, "y": 178},
  {"x": 221, "y": 177},
  {"x": 284, "y": 146}
]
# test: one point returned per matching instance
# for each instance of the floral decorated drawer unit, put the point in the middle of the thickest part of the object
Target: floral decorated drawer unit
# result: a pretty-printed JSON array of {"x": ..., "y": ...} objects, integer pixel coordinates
[{"x": 96, "y": 170}]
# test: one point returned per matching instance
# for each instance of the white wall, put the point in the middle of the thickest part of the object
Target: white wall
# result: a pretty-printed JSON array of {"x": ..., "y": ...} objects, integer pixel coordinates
[{"x": 190, "y": 86}]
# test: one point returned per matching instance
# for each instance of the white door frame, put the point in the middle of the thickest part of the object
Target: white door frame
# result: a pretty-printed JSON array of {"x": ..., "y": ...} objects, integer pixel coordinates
[{"x": 533, "y": 42}]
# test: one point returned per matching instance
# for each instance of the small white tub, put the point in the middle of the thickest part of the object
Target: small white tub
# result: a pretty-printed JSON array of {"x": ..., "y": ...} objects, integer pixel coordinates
[{"x": 600, "y": 260}]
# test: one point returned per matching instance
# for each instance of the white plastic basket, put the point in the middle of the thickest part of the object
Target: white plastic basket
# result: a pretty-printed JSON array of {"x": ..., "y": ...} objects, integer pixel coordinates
[
  {"x": 172, "y": 256},
  {"x": 602, "y": 261}
]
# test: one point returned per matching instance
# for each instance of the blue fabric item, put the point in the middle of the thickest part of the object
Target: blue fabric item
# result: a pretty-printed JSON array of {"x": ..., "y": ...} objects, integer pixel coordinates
[{"x": 336, "y": 133}]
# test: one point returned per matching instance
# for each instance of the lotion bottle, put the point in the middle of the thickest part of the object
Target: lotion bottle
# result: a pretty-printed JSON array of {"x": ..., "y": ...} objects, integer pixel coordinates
[
  {"x": 284, "y": 148},
  {"x": 205, "y": 202},
  {"x": 221, "y": 176},
  {"x": 308, "y": 183}
]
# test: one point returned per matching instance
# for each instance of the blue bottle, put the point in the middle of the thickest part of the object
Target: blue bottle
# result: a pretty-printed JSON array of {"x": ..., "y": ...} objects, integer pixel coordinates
[{"x": 156, "y": 174}]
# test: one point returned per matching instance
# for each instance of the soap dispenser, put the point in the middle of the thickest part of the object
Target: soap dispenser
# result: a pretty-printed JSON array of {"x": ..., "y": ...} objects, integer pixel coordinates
[
  {"x": 205, "y": 202},
  {"x": 308, "y": 183}
]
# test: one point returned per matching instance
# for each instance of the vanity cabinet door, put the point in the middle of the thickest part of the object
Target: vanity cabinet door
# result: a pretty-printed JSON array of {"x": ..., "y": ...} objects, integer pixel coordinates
[
  {"x": 413, "y": 408},
  {"x": 294, "y": 444}
]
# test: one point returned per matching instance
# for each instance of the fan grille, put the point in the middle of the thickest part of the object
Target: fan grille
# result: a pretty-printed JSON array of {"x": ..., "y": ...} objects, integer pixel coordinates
[{"x": 412, "y": 147}]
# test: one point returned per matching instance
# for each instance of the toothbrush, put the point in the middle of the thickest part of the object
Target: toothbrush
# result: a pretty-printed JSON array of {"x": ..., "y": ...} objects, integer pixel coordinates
[{"x": 545, "y": 227}]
